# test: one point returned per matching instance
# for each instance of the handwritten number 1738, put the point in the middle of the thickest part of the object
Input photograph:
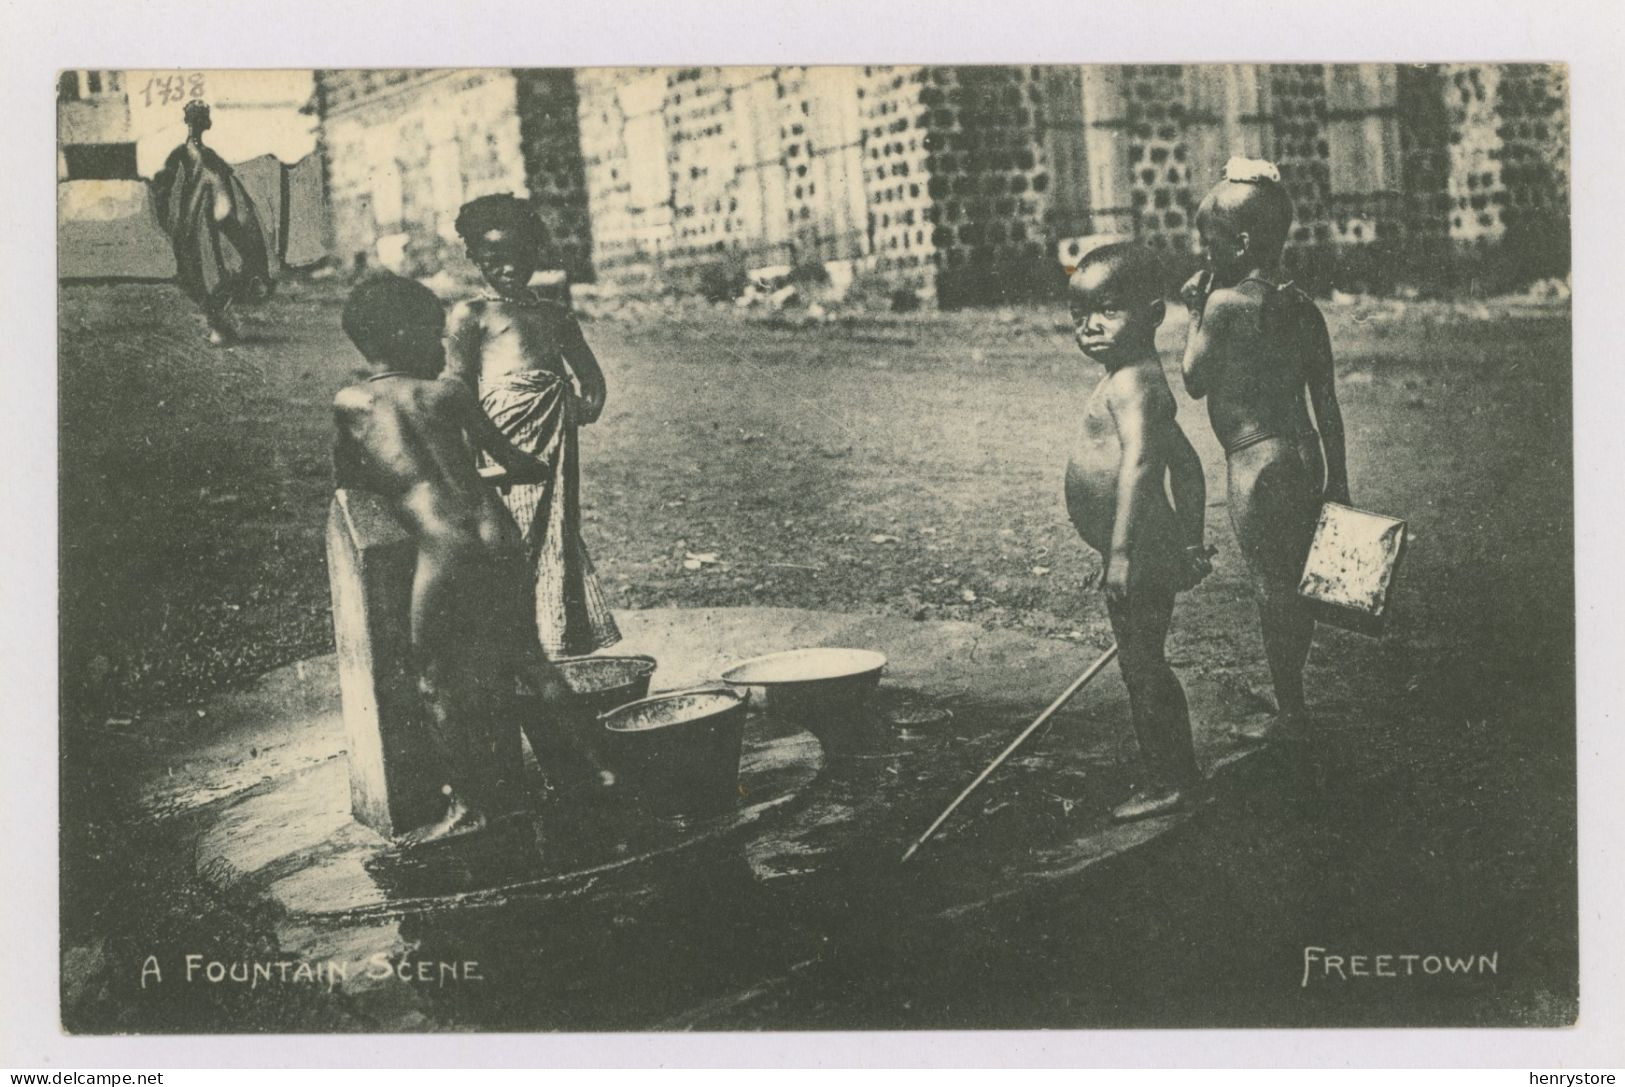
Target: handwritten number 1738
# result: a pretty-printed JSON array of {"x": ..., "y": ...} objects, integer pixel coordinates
[{"x": 173, "y": 88}]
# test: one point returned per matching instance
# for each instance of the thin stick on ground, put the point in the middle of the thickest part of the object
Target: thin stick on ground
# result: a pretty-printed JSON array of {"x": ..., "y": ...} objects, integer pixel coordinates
[{"x": 1054, "y": 707}]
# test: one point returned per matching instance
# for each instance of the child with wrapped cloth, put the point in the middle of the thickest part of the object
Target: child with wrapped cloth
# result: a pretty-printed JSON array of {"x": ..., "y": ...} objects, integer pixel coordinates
[{"x": 538, "y": 380}]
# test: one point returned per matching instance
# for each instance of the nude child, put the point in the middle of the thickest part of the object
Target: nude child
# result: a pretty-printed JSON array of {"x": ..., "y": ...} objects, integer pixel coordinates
[
  {"x": 1136, "y": 494},
  {"x": 1259, "y": 353},
  {"x": 410, "y": 437}
]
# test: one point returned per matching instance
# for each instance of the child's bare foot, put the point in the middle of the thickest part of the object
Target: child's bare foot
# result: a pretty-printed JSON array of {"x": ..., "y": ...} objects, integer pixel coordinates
[
  {"x": 460, "y": 820},
  {"x": 1148, "y": 804},
  {"x": 223, "y": 330},
  {"x": 1282, "y": 728}
]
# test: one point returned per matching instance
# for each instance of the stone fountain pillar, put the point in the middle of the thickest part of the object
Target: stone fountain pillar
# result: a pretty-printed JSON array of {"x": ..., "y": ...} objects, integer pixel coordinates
[{"x": 370, "y": 562}]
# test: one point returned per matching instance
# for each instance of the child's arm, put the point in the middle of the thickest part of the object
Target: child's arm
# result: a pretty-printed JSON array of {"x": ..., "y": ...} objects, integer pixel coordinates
[
  {"x": 1188, "y": 484},
  {"x": 1321, "y": 378},
  {"x": 1206, "y": 341},
  {"x": 463, "y": 338},
  {"x": 584, "y": 365},
  {"x": 1141, "y": 419},
  {"x": 517, "y": 465},
  {"x": 346, "y": 462},
  {"x": 1195, "y": 291}
]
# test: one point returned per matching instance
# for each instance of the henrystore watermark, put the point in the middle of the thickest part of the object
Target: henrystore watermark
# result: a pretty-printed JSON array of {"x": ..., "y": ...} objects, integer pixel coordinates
[
  {"x": 1319, "y": 965},
  {"x": 195, "y": 969}
]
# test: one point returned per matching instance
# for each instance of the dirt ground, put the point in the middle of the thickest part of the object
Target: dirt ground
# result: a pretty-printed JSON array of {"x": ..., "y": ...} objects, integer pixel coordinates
[{"x": 911, "y": 465}]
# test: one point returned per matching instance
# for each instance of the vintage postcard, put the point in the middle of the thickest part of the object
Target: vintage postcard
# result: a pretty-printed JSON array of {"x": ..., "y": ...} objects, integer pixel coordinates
[{"x": 888, "y": 547}]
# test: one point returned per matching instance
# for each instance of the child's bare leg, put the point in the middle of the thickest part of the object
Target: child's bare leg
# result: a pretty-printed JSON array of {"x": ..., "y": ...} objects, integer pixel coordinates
[
  {"x": 439, "y": 597},
  {"x": 448, "y": 717},
  {"x": 510, "y": 602},
  {"x": 1156, "y": 702},
  {"x": 543, "y": 678},
  {"x": 1288, "y": 633},
  {"x": 438, "y": 641},
  {"x": 1272, "y": 508}
]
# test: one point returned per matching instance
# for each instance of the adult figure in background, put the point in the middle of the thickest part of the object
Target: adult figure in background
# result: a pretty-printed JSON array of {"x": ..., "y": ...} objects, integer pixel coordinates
[{"x": 220, "y": 251}]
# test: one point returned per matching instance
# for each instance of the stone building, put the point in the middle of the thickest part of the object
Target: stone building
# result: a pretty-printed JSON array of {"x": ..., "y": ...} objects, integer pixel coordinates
[
  {"x": 406, "y": 147},
  {"x": 94, "y": 139},
  {"x": 967, "y": 184}
]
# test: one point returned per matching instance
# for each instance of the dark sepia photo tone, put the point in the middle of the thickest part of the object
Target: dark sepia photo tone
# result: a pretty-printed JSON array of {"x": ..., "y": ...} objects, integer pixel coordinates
[{"x": 980, "y": 547}]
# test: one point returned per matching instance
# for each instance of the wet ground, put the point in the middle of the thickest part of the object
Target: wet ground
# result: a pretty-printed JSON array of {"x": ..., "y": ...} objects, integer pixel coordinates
[
  {"x": 803, "y": 855},
  {"x": 1434, "y": 815},
  {"x": 789, "y": 908}
]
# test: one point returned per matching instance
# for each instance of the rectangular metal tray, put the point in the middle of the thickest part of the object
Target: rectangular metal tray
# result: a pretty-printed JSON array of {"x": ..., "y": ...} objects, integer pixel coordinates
[{"x": 1348, "y": 580}]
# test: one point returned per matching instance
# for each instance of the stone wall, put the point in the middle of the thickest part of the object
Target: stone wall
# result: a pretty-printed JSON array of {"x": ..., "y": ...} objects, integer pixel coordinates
[
  {"x": 902, "y": 202},
  {"x": 931, "y": 179},
  {"x": 406, "y": 148},
  {"x": 1397, "y": 173},
  {"x": 1508, "y": 181},
  {"x": 969, "y": 185},
  {"x": 550, "y": 145},
  {"x": 695, "y": 175},
  {"x": 1425, "y": 162},
  {"x": 991, "y": 171}
]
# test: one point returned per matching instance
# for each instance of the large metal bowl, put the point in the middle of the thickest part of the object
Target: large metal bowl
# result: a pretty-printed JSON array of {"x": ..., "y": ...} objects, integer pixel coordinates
[
  {"x": 678, "y": 753},
  {"x": 825, "y": 691}
]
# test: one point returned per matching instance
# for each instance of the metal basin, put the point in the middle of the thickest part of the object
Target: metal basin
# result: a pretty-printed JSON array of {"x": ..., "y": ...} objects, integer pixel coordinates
[
  {"x": 825, "y": 691},
  {"x": 678, "y": 753},
  {"x": 566, "y": 740},
  {"x": 597, "y": 679}
]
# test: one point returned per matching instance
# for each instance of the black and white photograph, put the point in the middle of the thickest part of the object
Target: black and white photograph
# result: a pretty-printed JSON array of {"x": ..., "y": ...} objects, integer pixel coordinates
[
  {"x": 816, "y": 547},
  {"x": 726, "y": 549}
]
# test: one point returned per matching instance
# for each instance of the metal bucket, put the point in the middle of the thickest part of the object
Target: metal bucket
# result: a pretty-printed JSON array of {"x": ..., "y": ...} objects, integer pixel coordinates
[
  {"x": 1348, "y": 578},
  {"x": 566, "y": 739},
  {"x": 678, "y": 753},
  {"x": 825, "y": 691}
]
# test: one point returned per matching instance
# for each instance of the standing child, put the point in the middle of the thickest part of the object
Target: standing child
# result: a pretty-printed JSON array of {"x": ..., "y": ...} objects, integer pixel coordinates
[
  {"x": 411, "y": 438},
  {"x": 1130, "y": 457},
  {"x": 1257, "y": 345},
  {"x": 538, "y": 380}
]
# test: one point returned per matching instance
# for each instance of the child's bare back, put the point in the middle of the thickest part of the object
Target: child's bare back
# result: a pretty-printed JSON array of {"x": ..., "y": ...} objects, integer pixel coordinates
[
  {"x": 402, "y": 437},
  {"x": 411, "y": 437},
  {"x": 1248, "y": 353},
  {"x": 1248, "y": 360}
]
